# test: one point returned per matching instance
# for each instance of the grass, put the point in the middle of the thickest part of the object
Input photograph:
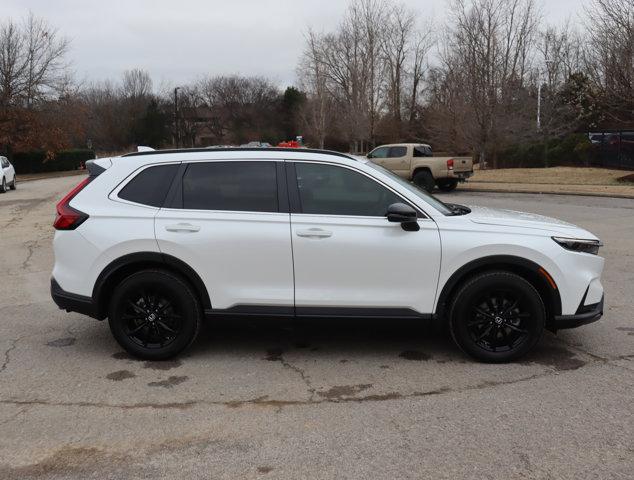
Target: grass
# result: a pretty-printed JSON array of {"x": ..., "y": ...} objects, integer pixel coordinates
[{"x": 551, "y": 176}]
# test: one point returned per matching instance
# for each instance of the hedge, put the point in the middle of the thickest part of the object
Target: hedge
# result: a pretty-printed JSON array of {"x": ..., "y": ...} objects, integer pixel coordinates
[
  {"x": 570, "y": 150},
  {"x": 37, "y": 162}
]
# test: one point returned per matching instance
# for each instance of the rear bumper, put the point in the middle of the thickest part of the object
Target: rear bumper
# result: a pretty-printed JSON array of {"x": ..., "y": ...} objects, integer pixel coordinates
[
  {"x": 460, "y": 176},
  {"x": 72, "y": 302},
  {"x": 585, "y": 314}
]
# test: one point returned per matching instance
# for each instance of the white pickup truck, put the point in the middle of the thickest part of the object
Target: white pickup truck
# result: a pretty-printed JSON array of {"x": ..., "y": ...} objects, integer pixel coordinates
[{"x": 415, "y": 162}]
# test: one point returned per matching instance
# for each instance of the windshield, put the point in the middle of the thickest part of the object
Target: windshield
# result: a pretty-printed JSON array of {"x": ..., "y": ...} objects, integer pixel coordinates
[{"x": 419, "y": 192}]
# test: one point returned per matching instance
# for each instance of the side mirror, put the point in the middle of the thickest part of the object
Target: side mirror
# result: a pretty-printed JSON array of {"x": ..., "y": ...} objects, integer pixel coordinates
[
  {"x": 403, "y": 214},
  {"x": 369, "y": 155}
]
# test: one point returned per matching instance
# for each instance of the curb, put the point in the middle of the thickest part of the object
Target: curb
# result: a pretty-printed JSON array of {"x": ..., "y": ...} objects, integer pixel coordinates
[{"x": 541, "y": 192}]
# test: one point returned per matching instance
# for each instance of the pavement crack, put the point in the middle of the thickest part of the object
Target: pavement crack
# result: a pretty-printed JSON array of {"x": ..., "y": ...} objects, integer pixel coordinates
[
  {"x": 31, "y": 246},
  {"x": 7, "y": 353},
  {"x": 303, "y": 375}
]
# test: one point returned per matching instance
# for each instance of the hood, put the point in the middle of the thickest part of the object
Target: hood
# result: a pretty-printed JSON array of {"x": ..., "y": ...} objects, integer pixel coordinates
[{"x": 512, "y": 218}]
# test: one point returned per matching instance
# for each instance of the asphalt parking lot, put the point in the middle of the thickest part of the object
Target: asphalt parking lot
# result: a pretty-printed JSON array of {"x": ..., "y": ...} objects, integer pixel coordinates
[{"x": 273, "y": 399}]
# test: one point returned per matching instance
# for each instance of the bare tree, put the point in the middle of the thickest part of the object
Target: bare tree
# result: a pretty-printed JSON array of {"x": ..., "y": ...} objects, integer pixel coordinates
[
  {"x": 610, "y": 61},
  {"x": 136, "y": 84}
]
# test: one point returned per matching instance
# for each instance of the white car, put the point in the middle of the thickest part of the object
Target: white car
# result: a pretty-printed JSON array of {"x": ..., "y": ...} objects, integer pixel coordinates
[
  {"x": 157, "y": 241},
  {"x": 7, "y": 175}
]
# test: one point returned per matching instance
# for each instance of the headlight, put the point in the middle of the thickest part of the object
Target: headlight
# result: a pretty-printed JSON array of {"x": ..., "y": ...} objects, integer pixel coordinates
[{"x": 579, "y": 245}]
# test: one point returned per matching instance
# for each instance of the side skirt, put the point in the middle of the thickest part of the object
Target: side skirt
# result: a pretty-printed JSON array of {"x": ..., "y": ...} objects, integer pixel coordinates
[{"x": 316, "y": 312}]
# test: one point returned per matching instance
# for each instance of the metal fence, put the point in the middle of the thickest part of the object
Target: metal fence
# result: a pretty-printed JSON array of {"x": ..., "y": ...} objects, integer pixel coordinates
[{"x": 613, "y": 148}]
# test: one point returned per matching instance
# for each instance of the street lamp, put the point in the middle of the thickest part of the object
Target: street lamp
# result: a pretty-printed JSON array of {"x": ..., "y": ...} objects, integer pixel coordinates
[{"x": 176, "y": 129}]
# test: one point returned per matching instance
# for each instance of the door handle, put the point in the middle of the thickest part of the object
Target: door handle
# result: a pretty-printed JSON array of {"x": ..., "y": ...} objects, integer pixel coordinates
[
  {"x": 314, "y": 233},
  {"x": 182, "y": 227}
]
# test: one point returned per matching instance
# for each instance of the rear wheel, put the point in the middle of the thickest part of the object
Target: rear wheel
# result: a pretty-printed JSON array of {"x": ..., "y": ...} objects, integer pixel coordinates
[
  {"x": 497, "y": 317},
  {"x": 13, "y": 183},
  {"x": 447, "y": 185},
  {"x": 424, "y": 179},
  {"x": 3, "y": 185},
  {"x": 154, "y": 314}
]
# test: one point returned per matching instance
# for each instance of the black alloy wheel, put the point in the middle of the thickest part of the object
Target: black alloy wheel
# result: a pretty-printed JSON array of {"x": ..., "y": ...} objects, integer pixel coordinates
[
  {"x": 154, "y": 314},
  {"x": 497, "y": 316}
]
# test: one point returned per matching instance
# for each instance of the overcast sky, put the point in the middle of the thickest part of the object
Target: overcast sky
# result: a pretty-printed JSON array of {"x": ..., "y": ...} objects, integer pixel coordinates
[{"x": 178, "y": 41}]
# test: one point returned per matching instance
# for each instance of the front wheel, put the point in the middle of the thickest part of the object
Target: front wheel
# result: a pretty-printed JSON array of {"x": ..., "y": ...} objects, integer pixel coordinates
[
  {"x": 154, "y": 314},
  {"x": 497, "y": 317},
  {"x": 447, "y": 185},
  {"x": 3, "y": 185}
]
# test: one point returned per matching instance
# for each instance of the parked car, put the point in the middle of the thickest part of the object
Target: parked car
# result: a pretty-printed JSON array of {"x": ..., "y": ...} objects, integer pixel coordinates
[
  {"x": 416, "y": 162},
  {"x": 7, "y": 175},
  {"x": 157, "y": 241}
]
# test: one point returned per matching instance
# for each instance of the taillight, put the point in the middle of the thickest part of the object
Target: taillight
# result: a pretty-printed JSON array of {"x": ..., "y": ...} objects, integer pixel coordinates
[
  {"x": 69, "y": 218},
  {"x": 450, "y": 164}
]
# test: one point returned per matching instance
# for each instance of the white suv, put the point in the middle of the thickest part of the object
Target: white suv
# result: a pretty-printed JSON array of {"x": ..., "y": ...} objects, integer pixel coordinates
[
  {"x": 7, "y": 175},
  {"x": 155, "y": 241}
]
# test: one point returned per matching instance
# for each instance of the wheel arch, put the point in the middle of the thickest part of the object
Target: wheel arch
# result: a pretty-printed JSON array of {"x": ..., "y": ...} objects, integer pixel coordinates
[
  {"x": 531, "y": 271},
  {"x": 126, "y": 265}
]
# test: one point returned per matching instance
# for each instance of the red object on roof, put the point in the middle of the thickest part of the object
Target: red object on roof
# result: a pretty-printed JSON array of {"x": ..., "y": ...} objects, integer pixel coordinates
[{"x": 289, "y": 144}]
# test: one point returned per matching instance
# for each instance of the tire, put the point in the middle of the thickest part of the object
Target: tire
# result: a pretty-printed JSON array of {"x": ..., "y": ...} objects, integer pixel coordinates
[
  {"x": 496, "y": 317},
  {"x": 424, "y": 179},
  {"x": 14, "y": 183},
  {"x": 447, "y": 185},
  {"x": 154, "y": 314},
  {"x": 3, "y": 185}
]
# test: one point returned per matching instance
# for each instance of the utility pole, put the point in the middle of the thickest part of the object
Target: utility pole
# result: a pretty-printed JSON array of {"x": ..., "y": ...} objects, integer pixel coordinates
[
  {"x": 176, "y": 129},
  {"x": 539, "y": 103}
]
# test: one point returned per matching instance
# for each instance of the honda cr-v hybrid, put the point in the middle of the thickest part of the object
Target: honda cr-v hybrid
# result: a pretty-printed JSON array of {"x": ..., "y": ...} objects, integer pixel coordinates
[{"x": 157, "y": 241}]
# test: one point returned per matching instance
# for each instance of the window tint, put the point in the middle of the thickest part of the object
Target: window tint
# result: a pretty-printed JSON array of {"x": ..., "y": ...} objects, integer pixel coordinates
[
  {"x": 235, "y": 186},
  {"x": 150, "y": 186},
  {"x": 332, "y": 190},
  {"x": 396, "y": 152},
  {"x": 422, "y": 151},
  {"x": 5, "y": 162},
  {"x": 380, "y": 152}
]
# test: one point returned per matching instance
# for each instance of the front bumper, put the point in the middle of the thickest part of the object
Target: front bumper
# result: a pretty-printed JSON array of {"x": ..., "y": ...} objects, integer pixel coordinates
[
  {"x": 585, "y": 314},
  {"x": 72, "y": 302}
]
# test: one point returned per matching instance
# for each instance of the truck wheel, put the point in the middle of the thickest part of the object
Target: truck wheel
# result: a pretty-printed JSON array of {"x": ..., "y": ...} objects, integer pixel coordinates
[
  {"x": 447, "y": 185},
  {"x": 424, "y": 179}
]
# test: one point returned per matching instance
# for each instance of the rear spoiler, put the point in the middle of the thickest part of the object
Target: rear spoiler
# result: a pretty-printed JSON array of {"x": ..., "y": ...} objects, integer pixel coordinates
[{"x": 98, "y": 166}]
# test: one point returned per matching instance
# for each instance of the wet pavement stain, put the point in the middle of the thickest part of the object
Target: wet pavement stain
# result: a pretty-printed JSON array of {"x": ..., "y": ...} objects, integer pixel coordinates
[
  {"x": 265, "y": 469},
  {"x": 120, "y": 375},
  {"x": 62, "y": 342},
  {"x": 385, "y": 367},
  {"x": 558, "y": 358},
  {"x": 122, "y": 356},
  {"x": 343, "y": 360},
  {"x": 170, "y": 382},
  {"x": 344, "y": 391},
  {"x": 629, "y": 330},
  {"x": 414, "y": 355},
  {"x": 274, "y": 354},
  {"x": 163, "y": 365}
]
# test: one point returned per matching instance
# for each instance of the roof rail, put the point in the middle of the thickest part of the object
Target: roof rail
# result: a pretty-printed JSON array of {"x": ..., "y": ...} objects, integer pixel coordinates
[{"x": 238, "y": 149}]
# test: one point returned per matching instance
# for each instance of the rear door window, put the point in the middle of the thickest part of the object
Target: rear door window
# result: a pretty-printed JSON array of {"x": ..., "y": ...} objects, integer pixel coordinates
[
  {"x": 150, "y": 186},
  {"x": 231, "y": 186},
  {"x": 397, "y": 152}
]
